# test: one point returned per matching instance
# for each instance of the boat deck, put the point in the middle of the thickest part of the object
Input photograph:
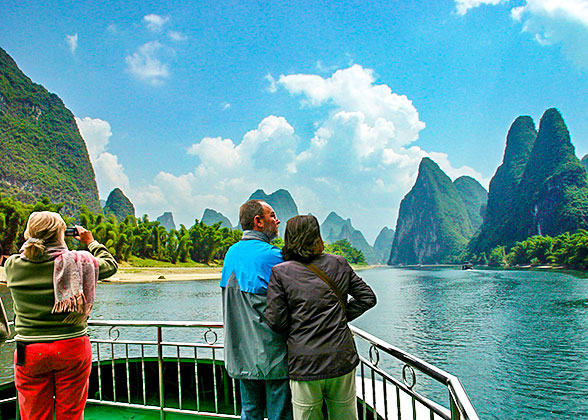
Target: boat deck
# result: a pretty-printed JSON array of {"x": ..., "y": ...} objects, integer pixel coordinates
[{"x": 136, "y": 374}]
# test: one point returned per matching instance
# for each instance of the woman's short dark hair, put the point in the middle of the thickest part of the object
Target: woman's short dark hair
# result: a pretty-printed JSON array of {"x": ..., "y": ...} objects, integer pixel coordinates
[
  {"x": 302, "y": 240},
  {"x": 248, "y": 211}
]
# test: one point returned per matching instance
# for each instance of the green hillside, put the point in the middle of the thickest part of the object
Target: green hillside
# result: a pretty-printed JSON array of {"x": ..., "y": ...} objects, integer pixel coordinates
[
  {"x": 433, "y": 225},
  {"x": 552, "y": 197},
  {"x": 41, "y": 150},
  {"x": 119, "y": 205},
  {"x": 474, "y": 197}
]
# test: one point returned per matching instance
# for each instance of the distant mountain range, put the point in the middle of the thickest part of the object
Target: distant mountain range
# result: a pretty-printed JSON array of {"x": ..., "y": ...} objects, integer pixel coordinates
[
  {"x": 541, "y": 187},
  {"x": 41, "y": 150}
]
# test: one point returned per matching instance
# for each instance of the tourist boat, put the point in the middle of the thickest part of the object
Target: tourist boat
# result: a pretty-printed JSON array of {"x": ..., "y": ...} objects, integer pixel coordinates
[
  {"x": 174, "y": 370},
  {"x": 467, "y": 266}
]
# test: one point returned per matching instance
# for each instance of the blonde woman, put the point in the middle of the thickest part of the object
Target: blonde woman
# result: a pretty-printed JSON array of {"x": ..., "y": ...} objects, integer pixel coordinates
[{"x": 53, "y": 292}]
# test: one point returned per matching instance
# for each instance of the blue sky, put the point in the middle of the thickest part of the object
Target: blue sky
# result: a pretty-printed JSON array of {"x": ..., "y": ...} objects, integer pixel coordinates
[{"x": 189, "y": 105}]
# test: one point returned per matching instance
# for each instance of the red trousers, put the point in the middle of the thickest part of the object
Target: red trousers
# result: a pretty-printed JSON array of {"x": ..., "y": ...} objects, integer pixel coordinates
[{"x": 54, "y": 378}]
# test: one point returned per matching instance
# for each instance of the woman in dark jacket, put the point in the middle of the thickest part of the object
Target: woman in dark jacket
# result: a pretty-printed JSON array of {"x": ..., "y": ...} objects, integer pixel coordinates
[{"x": 313, "y": 314}]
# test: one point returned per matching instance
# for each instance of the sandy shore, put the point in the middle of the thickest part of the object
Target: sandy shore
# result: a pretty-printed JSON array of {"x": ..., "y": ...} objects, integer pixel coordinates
[
  {"x": 148, "y": 274},
  {"x": 127, "y": 274}
]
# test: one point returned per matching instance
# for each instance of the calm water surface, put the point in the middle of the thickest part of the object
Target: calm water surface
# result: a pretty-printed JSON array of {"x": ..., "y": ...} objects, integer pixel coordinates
[{"x": 518, "y": 340}]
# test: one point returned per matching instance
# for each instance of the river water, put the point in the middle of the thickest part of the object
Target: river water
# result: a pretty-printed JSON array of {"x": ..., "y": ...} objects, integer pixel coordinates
[{"x": 518, "y": 340}]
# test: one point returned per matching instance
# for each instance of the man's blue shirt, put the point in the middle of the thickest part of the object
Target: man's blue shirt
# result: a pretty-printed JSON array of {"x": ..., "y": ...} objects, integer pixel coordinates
[{"x": 251, "y": 260}]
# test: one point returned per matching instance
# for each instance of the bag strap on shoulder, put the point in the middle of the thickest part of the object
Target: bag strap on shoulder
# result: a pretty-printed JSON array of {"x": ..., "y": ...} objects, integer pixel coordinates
[{"x": 321, "y": 274}]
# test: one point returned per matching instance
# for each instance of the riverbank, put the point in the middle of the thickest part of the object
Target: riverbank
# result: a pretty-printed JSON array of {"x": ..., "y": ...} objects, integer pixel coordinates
[{"x": 130, "y": 274}]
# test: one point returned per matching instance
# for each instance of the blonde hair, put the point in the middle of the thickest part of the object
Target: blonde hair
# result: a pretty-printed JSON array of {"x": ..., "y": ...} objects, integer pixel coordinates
[{"x": 42, "y": 227}]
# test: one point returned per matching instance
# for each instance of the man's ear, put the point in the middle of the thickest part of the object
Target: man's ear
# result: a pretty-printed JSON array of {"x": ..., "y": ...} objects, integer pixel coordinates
[{"x": 258, "y": 221}]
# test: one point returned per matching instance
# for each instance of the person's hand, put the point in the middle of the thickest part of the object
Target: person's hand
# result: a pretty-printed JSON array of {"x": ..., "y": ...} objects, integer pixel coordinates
[{"x": 84, "y": 235}]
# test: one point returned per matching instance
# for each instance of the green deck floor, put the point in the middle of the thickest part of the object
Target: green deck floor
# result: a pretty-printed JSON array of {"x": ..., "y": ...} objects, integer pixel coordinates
[{"x": 95, "y": 412}]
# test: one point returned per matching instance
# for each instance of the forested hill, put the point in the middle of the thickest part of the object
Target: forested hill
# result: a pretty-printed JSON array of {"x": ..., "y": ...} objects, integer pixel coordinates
[
  {"x": 433, "y": 224},
  {"x": 541, "y": 188},
  {"x": 41, "y": 150}
]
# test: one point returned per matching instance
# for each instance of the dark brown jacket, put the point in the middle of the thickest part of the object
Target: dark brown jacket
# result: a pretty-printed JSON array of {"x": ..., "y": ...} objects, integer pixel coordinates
[{"x": 304, "y": 308}]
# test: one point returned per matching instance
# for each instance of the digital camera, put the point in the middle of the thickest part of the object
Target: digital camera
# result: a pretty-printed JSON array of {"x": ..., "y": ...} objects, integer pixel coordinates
[{"x": 71, "y": 231}]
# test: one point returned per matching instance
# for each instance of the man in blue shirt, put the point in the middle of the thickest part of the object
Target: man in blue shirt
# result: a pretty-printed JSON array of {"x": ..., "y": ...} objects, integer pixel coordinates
[{"x": 254, "y": 353}]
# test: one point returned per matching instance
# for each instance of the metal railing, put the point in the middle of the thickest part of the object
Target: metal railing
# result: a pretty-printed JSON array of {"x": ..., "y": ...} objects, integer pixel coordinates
[
  {"x": 187, "y": 372},
  {"x": 135, "y": 366},
  {"x": 375, "y": 386}
]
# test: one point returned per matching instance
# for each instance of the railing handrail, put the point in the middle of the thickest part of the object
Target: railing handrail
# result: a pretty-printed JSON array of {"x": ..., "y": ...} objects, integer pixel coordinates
[
  {"x": 136, "y": 323},
  {"x": 452, "y": 382}
]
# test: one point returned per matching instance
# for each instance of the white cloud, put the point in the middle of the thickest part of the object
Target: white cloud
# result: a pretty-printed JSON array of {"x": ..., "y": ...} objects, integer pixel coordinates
[
  {"x": 146, "y": 64},
  {"x": 72, "y": 42},
  {"x": 557, "y": 22},
  {"x": 96, "y": 133},
  {"x": 109, "y": 172},
  {"x": 177, "y": 36},
  {"x": 225, "y": 106},
  {"x": 360, "y": 162},
  {"x": 155, "y": 22},
  {"x": 463, "y": 6},
  {"x": 561, "y": 23}
]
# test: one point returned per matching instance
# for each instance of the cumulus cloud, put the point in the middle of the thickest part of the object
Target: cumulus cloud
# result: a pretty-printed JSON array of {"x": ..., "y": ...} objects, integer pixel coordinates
[
  {"x": 557, "y": 22},
  {"x": 155, "y": 22},
  {"x": 72, "y": 42},
  {"x": 463, "y": 6},
  {"x": 146, "y": 63},
  {"x": 360, "y": 161},
  {"x": 109, "y": 172}
]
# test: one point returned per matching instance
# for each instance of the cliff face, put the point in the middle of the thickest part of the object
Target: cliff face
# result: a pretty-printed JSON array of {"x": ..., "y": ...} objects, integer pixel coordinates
[
  {"x": 503, "y": 190},
  {"x": 210, "y": 217},
  {"x": 167, "y": 220},
  {"x": 282, "y": 203},
  {"x": 41, "y": 150},
  {"x": 119, "y": 205},
  {"x": 433, "y": 225},
  {"x": 335, "y": 228},
  {"x": 474, "y": 197},
  {"x": 553, "y": 193},
  {"x": 383, "y": 245}
]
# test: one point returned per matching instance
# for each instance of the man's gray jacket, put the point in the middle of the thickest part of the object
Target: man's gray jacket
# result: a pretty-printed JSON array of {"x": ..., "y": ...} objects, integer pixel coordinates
[{"x": 252, "y": 349}]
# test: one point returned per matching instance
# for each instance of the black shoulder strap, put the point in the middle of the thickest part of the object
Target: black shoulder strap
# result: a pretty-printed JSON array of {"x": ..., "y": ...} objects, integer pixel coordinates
[{"x": 320, "y": 273}]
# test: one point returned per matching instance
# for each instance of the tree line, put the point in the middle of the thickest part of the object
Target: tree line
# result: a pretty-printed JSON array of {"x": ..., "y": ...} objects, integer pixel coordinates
[
  {"x": 568, "y": 250},
  {"x": 139, "y": 237}
]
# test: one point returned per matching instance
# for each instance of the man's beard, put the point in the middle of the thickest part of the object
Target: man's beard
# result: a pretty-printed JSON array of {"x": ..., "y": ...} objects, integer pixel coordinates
[{"x": 271, "y": 234}]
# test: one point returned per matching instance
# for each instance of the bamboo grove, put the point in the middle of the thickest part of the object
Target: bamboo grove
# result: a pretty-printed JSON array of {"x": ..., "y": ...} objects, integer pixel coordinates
[{"x": 131, "y": 237}]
